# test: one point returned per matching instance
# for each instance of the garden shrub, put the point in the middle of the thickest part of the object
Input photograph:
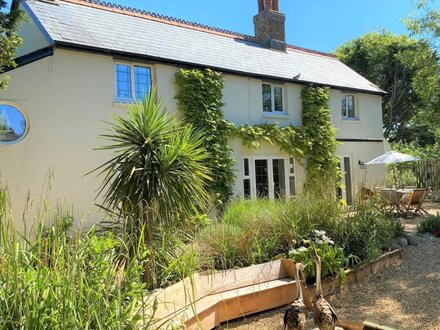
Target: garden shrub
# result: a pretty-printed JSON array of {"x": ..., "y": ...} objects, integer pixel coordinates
[
  {"x": 255, "y": 231},
  {"x": 430, "y": 224}
]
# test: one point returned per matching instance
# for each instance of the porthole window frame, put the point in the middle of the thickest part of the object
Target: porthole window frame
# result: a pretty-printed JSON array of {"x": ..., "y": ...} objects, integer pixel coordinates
[{"x": 26, "y": 118}]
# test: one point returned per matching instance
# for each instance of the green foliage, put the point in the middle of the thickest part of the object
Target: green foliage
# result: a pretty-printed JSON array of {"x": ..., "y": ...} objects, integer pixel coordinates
[
  {"x": 367, "y": 232},
  {"x": 409, "y": 71},
  {"x": 320, "y": 138},
  {"x": 426, "y": 23},
  {"x": 9, "y": 40},
  {"x": 430, "y": 224},
  {"x": 332, "y": 257},
  {"x": 158, "y": 175},
  {"x": 200, "y": 100},
  {"x": 255, "y": 231},
  {"x": 52, "y": 280},
  {"x": 288, "y": 139}
]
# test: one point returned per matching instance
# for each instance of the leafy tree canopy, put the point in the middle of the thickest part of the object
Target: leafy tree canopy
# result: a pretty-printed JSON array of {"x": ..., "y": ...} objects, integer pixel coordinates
[
  {"x": 9, "y": 40},
  {"x": 426, "y": 22},
  {"x": 408, "y": 70}
]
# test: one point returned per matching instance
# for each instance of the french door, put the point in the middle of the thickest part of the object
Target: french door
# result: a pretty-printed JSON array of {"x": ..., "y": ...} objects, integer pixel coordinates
[{"x": 273, "y": 177}]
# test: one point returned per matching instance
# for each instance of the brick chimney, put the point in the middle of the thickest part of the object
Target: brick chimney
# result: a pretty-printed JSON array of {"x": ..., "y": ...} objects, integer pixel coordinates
[{"x": 270, "y": 25}]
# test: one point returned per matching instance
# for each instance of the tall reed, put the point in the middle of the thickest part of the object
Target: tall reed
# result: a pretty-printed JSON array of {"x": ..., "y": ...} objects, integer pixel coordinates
[{"x": 53, "y": 280}]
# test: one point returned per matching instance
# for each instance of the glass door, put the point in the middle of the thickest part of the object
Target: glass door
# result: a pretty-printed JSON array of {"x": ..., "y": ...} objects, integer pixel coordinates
[
  {"x": 262, "y": 178},
  {"x": 279, "y": 178}
]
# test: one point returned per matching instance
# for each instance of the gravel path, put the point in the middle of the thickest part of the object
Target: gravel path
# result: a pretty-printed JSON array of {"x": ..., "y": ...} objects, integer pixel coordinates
[{"x": 406, "y": 296}]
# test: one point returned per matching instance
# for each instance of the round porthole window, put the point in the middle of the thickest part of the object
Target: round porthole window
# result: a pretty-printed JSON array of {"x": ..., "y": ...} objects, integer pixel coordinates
[{"x": 13, "y": 124}]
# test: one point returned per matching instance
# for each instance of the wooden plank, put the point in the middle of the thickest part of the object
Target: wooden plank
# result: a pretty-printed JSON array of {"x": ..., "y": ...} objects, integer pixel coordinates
[
  {"x": 206, "y": 300},
  {"x": 371, "y": 325},
  {"x": 347, "y": 325},
  {"x": 188, "y": 291},
  {"x": 237, "y": 303}
]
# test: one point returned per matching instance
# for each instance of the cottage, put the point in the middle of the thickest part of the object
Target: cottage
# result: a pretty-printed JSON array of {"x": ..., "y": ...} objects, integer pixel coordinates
[{"x": 84, "y": 59}]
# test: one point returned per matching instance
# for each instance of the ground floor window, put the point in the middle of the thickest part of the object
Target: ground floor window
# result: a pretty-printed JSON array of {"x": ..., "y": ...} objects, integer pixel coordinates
[{"x": 268, "y": 177}]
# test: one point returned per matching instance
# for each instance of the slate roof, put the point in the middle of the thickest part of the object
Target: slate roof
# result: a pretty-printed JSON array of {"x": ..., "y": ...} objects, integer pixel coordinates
[{"x": 102, "y": 26}]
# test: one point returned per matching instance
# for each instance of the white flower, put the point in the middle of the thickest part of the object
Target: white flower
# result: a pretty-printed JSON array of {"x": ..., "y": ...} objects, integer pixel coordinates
[
  {"x": 302, "y": 249},
  {"x": 320, "y": 242},
  {"x": 327, "y": 240},
  {"x": 293, "y": 251},
  {"x": 319, "y": 233}
]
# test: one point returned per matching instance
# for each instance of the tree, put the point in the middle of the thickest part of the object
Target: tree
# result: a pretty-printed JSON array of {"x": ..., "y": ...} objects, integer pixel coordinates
[
  {"x": 408, "y": 70},
  {"x": 426, "y": 23},
  {"x": 158, "y": 174},
  {"x": 9, "y": 40}
]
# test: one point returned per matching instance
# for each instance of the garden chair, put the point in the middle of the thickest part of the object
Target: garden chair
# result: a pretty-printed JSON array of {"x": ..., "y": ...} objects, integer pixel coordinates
[
  {"x": 392, "y": 199},
  {"x": 405, "y": 202},
  {"x": 366, "y": 193},
  {"x": 416, "y": 205}
]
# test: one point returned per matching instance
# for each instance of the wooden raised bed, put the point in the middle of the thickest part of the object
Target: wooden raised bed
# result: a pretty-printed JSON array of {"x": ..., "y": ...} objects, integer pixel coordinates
[{"x": 203, "y": 301}]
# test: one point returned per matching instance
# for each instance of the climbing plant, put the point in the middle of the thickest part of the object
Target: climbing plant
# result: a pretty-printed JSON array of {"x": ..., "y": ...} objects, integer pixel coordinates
[
  {"x": 290, "y": 138},
  {"x": 320, "y": 138},
  {"x": 200, "y": 99}
]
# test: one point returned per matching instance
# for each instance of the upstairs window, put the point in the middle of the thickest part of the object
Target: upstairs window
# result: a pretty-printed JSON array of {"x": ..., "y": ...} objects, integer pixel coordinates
[
  {"x": 132, "y": 81},
  {"x": 272, "y": 99},
  {"x": 348, "y": 108}
]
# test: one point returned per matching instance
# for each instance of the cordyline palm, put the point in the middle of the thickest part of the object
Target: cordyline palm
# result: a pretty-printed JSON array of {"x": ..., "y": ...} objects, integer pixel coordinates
[{"x": 158, "y": 174}]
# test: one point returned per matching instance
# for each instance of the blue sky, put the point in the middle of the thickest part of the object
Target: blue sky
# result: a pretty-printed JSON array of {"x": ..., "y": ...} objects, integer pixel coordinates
[{"x": 316, "y": 24}]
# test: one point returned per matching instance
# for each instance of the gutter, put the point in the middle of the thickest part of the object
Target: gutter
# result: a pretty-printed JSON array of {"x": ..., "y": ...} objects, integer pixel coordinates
[{"x": 134, "y": 56}]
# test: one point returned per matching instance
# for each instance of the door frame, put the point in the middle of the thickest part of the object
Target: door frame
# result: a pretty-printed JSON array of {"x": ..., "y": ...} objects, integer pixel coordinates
[{"x": 270, "y": 159}]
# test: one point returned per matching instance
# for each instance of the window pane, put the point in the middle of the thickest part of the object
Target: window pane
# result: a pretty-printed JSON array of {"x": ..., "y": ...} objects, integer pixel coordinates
[
  {"x": 123, "y": 81},
  {"x": 291, "y": 166},
  {"x": 278, "y": 98},
  {"x": 267, "y": 98},
  {"x": 142, "y": 81},
  {"x": 262, "y": 178},
  {"x": 292, "y": 185},
  {"x": 344, "y": 106},
  {"x": 247, "y": 188},
  {"x": 279, "y": 178},
  {"x": 246, "y": 167},
  {"x": 12, "y": 123},
  {"x": 350, "y": 106}
]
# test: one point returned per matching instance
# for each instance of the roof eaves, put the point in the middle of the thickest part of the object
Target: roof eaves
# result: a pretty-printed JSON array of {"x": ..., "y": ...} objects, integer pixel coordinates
[
  {"x": 37, "y": 22},
  {"x": 78, "y": 47}
]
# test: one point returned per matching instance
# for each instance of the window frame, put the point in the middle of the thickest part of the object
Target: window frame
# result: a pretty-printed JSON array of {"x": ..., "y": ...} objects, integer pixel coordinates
[
  {"x": 272, "y": 99},
  {"x": 346, "y": 116},
  {"x": 132, "y": 66},
  {"x": 248, "y": 176},
  {"x": 269, "y": 158},
  {"x": 26, "y": 119}
]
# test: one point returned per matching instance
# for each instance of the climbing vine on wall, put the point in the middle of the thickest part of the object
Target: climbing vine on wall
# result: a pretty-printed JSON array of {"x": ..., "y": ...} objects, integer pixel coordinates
[
  {"x": 289, "y": 139},
  {"x": 320, "y": 137},
  {"x": 200, "y": 99}
]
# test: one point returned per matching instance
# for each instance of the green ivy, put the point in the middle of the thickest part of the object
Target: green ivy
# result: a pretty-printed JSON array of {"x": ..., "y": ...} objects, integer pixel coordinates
[
  {"x": 320, "y": 137},
  {"x": 200, "y": 99},
  {"x": 289, "y": 139}
]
